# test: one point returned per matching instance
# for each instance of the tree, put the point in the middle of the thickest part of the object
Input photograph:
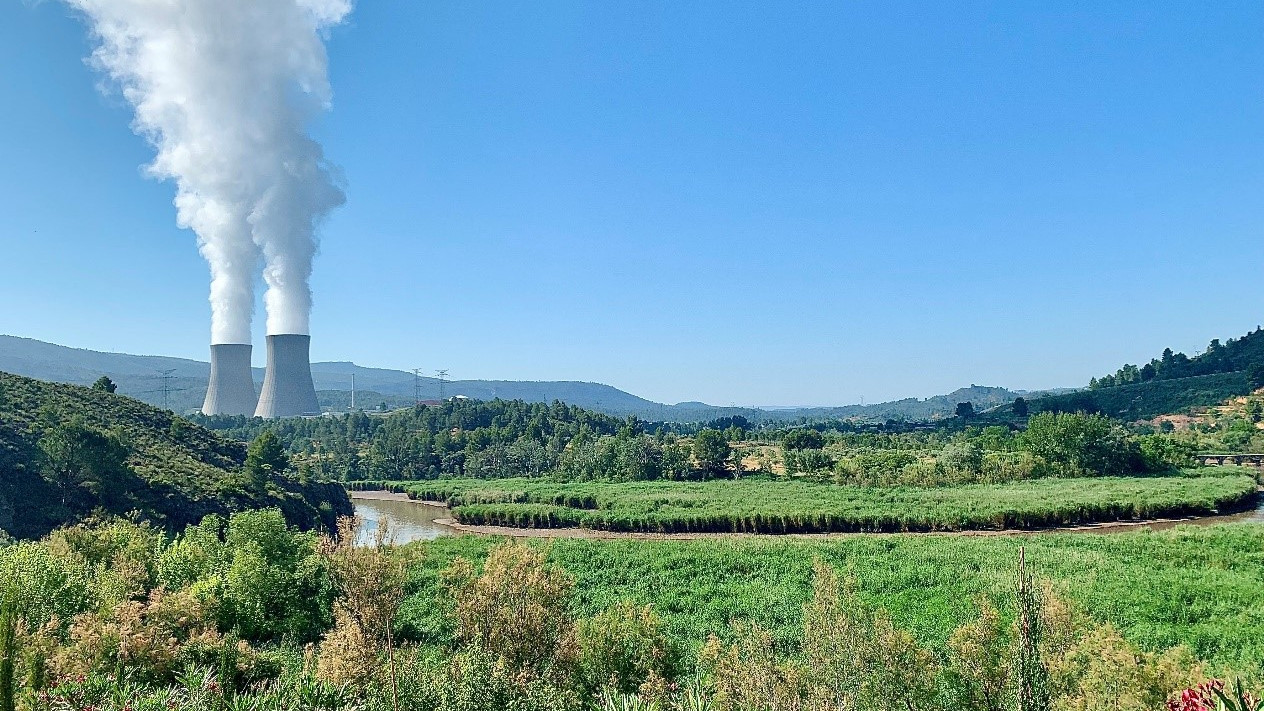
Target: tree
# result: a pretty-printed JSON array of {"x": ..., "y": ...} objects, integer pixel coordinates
[
  {"x": 965, "y": 410},
  {"x": 1082, "y": 443},
  {"x": 712, "y": 451},
  {"x": 1255, "y": 375},
  {"x": 1020, "y": 407},
  {"x": 266, "y": 458},
  {"x": 105, "y": 385},
  {"x": 803, "y": 439},
  {"x": 77, "y": 455}
]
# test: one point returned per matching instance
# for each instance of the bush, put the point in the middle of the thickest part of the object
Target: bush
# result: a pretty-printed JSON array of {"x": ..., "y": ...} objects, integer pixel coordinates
[
  {"x": 852, "y": 657},
  {"x": 1162, "y": 452},
  {"x": 516, "y": 609},
  {"x": 962, "y": 456},
  {"x": 978, "y": 672},
  {"x": 807, "y": 461},
  {"x": 621, "y": 648},
  {"x": 478, "y": 680}
]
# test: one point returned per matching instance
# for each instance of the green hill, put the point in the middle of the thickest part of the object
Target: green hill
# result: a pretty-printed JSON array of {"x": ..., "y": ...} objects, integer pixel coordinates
[
  {"x": 1143, "y": 401},
  {"x": 1170, "y": 383},
  {"x": 1236, "y": 355},
  {"x": 67, "y": 452}
]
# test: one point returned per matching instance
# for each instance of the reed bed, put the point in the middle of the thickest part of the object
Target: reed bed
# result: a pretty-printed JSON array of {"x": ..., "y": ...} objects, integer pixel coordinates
[{"x": 795, "y": 506}]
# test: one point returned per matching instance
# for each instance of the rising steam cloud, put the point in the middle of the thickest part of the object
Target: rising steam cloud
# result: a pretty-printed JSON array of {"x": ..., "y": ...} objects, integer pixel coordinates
[{"x": 224, "y": 90}]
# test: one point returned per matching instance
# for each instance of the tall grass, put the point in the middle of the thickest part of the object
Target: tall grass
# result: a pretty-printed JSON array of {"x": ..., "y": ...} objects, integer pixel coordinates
[
  {"x": 1200, "y": 586},
  {"x": 794, "y": 506}
]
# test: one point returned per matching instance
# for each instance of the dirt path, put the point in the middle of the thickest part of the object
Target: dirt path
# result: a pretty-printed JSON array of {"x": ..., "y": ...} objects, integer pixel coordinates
[{"x": 592, "y": 534}]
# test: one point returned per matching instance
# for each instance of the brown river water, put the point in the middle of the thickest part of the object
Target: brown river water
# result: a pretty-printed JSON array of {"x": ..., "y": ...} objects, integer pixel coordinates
[
  {"x": 409, "y": 520},
  {"x": 418, "y": 521}
]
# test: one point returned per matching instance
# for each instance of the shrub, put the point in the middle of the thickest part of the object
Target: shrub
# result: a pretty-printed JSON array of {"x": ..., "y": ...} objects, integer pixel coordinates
[
  {"x": 347, "y": 656},
  {"x": 372, "y": 581},
  {"x": 515, "y": 609},
  {"x": 1163, "y": 453},
  {"x": 807, "y": 461},
  {"x": 963, "y": 456},
  {"x": 275, "y": 583},
  {"x": 978, "y": 672},
  {"x": 621, "y": 648},
  {"x": 478, "y": 680},
  {"x": 852, "y": 657},
  {"x": 1103, "y": 672},
  {"x": 151, "y": 639}
]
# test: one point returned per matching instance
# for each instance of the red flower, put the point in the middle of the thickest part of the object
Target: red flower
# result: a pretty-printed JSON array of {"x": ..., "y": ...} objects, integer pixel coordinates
[{"x": 1199, "y": 698}]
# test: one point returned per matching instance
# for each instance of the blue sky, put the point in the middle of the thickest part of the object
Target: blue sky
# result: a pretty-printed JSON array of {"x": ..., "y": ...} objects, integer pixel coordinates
[{"x": 735, "y": 202}]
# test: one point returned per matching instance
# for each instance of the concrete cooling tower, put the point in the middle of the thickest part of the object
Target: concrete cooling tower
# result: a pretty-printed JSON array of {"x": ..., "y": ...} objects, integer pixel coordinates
[
  {"x": 288, "y": 390},
  {"x": 232, "y": 387}
]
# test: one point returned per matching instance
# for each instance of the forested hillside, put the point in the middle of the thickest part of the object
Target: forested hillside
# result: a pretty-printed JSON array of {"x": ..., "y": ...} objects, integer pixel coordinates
[
  {"x": 1145, "y": 400},
  {"x": 68, "y": 451},
  {"x": 1170, "y": 383},
  {"x": 1237, "y": 355}
]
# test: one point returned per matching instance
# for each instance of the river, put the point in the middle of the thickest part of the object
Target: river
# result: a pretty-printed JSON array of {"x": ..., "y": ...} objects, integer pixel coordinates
[{"x": 409, "y": 520}]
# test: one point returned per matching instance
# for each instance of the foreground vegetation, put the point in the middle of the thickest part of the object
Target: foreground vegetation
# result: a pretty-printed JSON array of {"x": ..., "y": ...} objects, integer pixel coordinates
[
  {"x": 68, "y": 452},
  {"x": 1202, "y": 587},
  {"x": 243, "y": 613}
]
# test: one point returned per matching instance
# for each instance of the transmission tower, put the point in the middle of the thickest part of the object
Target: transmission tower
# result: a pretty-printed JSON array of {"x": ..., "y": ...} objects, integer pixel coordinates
[
  {"x": 416, "y": 386},
  {"x": 442, "y": 375},
  {"x": 167, "y": 375}
]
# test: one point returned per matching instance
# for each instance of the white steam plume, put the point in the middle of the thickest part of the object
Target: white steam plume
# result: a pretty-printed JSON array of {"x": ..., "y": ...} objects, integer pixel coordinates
[{"x": 224, "y": 90}]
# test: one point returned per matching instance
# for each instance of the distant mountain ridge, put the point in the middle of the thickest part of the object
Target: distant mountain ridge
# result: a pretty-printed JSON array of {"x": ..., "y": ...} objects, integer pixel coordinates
[{"x": 181, "y": 382}]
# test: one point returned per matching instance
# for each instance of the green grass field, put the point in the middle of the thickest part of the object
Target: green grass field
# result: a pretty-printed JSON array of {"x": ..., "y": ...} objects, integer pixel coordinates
[
  {"x": 796, "y": 506},
  {"x": 1199, "y": 586}
]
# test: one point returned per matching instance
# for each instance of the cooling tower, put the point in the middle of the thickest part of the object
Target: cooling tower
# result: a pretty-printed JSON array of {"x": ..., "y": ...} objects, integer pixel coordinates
[
  {"x": 287, "y": 387},
  {"x": 232, "y": 387}
]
